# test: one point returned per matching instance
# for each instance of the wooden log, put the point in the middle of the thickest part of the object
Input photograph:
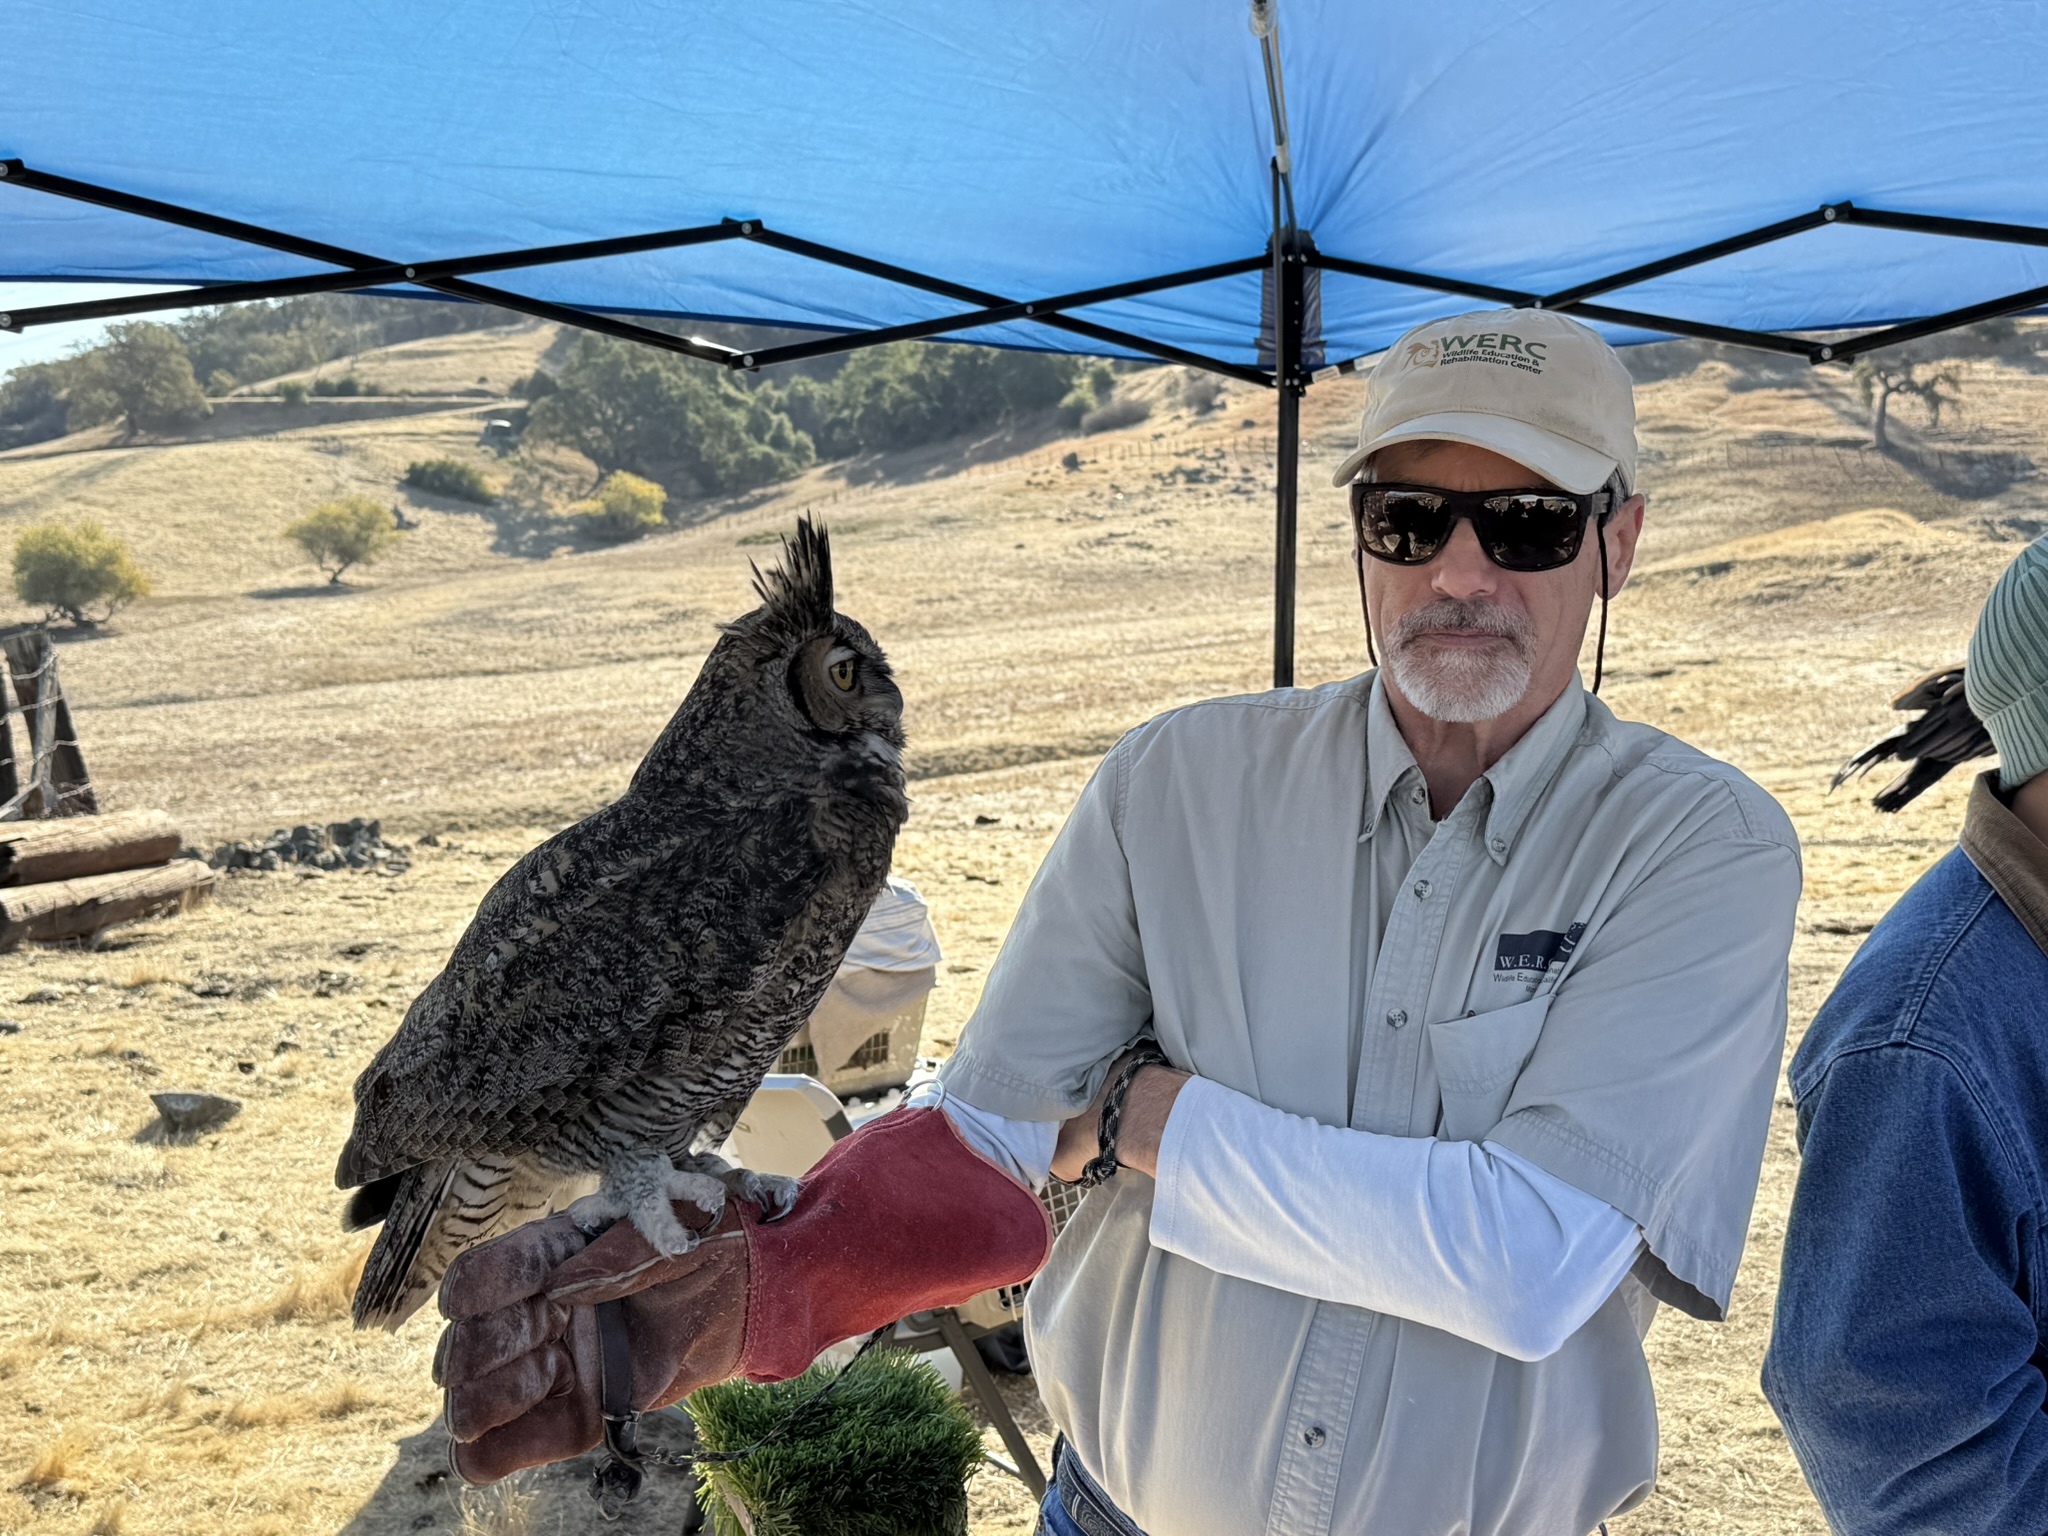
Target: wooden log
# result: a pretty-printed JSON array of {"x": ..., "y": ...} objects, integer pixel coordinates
[
  {"x": 64, "y": 909},
  {"x": 32, "y": 852}
]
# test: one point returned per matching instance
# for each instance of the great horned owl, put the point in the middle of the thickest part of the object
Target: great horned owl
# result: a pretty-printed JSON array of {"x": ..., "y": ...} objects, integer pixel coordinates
[{"x": 624, "y": 988}]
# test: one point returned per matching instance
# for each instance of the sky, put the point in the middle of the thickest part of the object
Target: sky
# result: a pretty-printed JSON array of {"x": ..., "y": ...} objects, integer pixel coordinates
[{"x": 40, "y": 343}]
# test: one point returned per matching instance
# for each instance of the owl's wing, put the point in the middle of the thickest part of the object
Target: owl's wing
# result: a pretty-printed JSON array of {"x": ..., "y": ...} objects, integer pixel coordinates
[{"x": 598, "y": 947}]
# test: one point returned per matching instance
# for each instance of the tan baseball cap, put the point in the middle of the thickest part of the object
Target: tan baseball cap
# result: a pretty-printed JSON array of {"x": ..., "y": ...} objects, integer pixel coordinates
[{"x": 1529, "y": 384}]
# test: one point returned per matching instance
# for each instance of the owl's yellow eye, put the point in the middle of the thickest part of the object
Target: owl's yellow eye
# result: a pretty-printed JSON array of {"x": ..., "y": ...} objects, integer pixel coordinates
[{"x": 841, "y": 673}]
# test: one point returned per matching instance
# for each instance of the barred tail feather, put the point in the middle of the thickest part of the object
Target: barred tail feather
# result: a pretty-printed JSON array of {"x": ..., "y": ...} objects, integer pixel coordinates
[
  {"x": 388, "y": 1293},
  {"x": 432, "y": 1213}
]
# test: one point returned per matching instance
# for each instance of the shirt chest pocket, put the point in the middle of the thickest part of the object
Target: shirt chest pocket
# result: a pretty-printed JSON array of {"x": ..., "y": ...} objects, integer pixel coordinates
[{"x": 1478, "y": 1059}]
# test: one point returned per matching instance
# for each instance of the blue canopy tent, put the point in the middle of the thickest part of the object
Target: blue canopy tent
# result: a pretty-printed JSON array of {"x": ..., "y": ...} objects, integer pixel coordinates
[{"x": 1136, "y": 178}]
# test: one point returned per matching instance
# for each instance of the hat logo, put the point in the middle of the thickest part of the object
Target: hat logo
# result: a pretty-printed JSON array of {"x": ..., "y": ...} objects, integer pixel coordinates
[
  {"x": 1502, "y": 348},
  {"x": 1423, "y": 354}
]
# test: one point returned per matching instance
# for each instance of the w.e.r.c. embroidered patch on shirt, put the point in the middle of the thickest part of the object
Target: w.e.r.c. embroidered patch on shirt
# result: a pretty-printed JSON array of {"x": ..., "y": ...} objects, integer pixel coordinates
[{"x": 1527, "y": 956}]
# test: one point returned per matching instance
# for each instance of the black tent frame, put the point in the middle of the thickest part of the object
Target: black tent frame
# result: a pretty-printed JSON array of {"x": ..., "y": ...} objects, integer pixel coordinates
[{"x": 1289, "y": 332}]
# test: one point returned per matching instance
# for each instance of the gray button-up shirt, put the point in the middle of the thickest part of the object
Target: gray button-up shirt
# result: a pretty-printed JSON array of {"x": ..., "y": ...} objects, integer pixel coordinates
[{"x": 1584, "y": 963}]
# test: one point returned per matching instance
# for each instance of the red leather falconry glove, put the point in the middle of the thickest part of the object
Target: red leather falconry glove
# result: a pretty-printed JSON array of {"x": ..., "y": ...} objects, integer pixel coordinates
[{"x": 899, "y": 1217}]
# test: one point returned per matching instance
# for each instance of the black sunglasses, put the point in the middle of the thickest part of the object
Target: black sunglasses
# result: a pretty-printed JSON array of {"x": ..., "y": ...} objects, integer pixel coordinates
[{"x": 1519, "y": 530}]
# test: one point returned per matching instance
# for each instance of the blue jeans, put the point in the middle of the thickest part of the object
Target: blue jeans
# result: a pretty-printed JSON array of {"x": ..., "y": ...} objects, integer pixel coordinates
[
  {"x": 1102, "y": 1518},
  {"x": 1053, "y": 1519}
]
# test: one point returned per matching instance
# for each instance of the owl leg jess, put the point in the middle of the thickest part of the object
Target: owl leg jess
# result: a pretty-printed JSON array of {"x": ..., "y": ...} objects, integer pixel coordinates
[
  {"x": 775, "y": 1193},
  {"x": 638, "y": 1184}
]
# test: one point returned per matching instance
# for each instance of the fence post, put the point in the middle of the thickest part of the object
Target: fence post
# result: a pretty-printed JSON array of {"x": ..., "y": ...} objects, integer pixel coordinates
[{"x": 57, "y": 781}]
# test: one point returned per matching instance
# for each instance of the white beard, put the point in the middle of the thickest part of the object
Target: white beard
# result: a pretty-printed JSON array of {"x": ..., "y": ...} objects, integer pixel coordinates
[{"x": 1453, "y": 684}]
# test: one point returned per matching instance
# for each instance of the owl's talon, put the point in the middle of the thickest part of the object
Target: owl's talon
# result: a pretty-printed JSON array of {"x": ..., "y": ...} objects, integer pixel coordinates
[
  {"x": 664, "y": 1233},
  {"x": 594, "y": 1213},
  {"x": 772, "y": 1192},
  {"x": 698, "y": 1189}
]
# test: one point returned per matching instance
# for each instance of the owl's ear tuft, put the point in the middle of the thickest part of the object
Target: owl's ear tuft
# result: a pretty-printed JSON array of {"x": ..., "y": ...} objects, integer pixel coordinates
[{"x": 798, "y": 590}]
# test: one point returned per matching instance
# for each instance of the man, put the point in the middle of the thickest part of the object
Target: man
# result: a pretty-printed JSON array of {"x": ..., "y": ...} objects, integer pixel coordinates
[
  {"x": 1472, "y": 999},
  {"x": 1911, "y": 1336}
]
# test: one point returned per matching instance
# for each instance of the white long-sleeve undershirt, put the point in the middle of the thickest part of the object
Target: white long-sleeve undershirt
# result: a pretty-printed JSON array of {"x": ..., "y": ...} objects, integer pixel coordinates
[{"x": 1465, "y": 1237}]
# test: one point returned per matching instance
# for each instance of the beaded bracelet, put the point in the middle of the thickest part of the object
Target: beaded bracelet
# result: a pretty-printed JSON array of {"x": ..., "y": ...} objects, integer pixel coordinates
[{"x": 1103, "y": 1166}]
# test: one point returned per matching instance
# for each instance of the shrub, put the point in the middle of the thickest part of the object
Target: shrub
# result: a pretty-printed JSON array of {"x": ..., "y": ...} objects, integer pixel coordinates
[
  {"x": 339, "y": 534},
  {"x": 1202, "y": 392},
  {"x": 450, "y": 477},
  {"x": 535, "y": 386},
  {"x": 345, "y": 385},
  {"x": 1117, "y": 413},
  {"x": 1091, "y": 390},
  {"x": 293, "y": 391},
  {"x": 625, "y": 507},
  {"x": 70, "y": 570}
]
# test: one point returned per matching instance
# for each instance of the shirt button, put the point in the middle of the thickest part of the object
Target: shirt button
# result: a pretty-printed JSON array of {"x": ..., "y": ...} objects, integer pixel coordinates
[
  {"x": 1421, "y": 889},
  {"x": 1397, "y": 1017},
  {"x": 1313, "y": 1436},
  {"x": 1497, "y": 844},
  {"x": 1418, "y": 794}
]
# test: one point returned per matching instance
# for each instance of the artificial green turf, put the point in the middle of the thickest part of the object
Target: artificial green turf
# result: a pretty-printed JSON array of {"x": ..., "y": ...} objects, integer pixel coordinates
[{"x": 887, "y": 1453}]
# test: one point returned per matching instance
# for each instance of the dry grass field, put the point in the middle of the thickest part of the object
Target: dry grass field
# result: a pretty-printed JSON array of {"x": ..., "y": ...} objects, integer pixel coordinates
[{"x": 174, "y": 1349}]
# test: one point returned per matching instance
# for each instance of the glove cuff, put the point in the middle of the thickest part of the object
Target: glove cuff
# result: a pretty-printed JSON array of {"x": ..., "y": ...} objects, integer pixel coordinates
[{"x": 901, "y": 1216}]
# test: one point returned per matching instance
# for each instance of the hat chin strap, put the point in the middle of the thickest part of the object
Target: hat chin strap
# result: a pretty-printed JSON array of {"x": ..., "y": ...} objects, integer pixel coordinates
[
  {"x": 1600, "y": 646},
  {"x": 1365, "y": 612}
]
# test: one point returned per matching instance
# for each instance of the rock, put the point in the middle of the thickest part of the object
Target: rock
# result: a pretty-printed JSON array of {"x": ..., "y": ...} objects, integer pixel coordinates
[
  {"x": 214, "y": 986},
  {"x": 185, "y": 1112},
  {"x": 44, "y": 995},
  {"x": 986, "y": 821},
  {"x": 245, "y": 1067},
  {"x": 431, "y": 840},
  {"x": 9, "y": 1027},
  {"x": 357, "y": 843}
]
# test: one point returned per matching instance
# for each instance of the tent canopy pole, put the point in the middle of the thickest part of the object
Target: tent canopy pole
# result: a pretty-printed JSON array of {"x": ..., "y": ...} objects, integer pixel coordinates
[
  {"x": 1287, "y": 284},
  {"x": 1032, "y": 309},
  {"x": 14, "y": 173},
  {"x": 1287, "y": 324}
]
